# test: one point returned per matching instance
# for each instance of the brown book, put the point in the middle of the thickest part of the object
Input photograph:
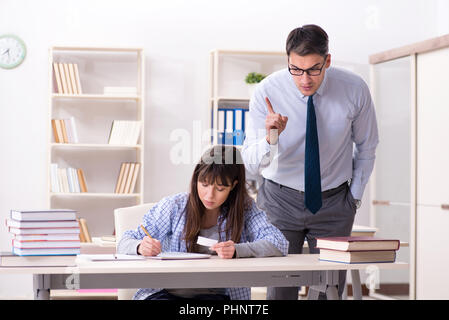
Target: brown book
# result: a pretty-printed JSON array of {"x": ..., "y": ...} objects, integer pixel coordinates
[
  {"x": 83, "y": 224},
  {"x": 55, "y": 131},
  {"x": 82, "y": 237},
  {"x": 358, "y": 256},
  {"x": 77, "y": 78},
  {"x": 63, "y": 78},
  {"x": 67, "y": 78},
  {"x": 82, "y": 180},
  {"x": 357, "y": 243},
  {"x": 64, "y": 131},
  {"x": 125, "y": 177},
  {"x": 58, "y": 77},
  {"x": 120, "y": 177},
  {"x": 129, "y": 178},
  {"x": 134, "y": 178}
]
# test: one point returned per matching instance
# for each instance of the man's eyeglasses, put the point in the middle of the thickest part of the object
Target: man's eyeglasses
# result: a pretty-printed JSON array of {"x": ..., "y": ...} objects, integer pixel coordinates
[{"x": 314, "y": 71}]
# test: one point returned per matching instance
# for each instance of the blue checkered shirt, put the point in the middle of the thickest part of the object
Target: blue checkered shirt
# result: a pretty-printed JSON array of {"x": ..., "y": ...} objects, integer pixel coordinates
[{"x": 165, "y": 221}]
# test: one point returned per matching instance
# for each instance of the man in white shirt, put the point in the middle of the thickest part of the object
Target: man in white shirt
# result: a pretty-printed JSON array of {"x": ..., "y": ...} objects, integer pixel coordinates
[{"x": 304, "y": 122}]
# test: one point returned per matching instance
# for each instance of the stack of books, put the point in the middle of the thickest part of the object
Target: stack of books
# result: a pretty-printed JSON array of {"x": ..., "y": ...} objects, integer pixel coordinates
[
  {"x": 44, "y": 232},
  {"x": 357, "y": 249}
]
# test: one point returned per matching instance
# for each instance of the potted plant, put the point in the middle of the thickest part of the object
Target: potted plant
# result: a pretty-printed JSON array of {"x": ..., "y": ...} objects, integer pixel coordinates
[{"x": 252, "y": 79}]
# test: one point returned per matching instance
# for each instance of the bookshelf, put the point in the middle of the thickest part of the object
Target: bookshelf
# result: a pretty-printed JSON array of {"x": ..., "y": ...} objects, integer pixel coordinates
[
  {"x": 228, "y": 89},
  {"x": 94, "y": 109}
]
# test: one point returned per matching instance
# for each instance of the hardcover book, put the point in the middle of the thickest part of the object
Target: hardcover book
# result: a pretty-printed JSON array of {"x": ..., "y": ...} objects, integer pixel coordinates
[{"x": 357, "y": 243}]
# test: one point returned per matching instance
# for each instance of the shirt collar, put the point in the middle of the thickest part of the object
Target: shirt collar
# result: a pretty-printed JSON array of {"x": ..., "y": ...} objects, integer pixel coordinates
[{"x": 322, "y": 87}]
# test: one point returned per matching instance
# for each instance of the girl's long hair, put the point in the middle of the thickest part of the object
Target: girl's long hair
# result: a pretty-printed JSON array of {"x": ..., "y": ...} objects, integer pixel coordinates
[{"x": 224, "y": 164}]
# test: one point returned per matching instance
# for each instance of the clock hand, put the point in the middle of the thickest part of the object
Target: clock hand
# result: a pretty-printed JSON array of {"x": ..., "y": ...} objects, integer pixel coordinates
[{"x": 6, "y": 51}]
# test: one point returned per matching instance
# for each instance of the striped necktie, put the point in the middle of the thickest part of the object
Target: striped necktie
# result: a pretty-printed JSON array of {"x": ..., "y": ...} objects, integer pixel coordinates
[{"x": 312, "y": 176}]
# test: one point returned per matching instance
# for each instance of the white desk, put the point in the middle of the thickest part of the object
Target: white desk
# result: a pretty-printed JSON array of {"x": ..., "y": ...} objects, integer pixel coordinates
[{"x": 293, "y": 270}]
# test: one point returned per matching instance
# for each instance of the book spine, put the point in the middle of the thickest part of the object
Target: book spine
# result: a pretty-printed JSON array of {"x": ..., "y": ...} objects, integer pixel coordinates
[
  {"x": 64, "y": 131},
  {"x": 120, "y": 177},
  {"x": 83, "y": 185},
  {"x": 77, "y": 78},
  {"x": 58, "y": 77},
  {"x": 85, "y": 230},
  {"x": 63, "y": 78},
  {"x": 134, "y": 178},
  {"x": 67, "y": 78}
]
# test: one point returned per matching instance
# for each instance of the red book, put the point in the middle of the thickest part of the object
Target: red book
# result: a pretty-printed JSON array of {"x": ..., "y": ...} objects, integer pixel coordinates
[{"x": 357, "y": 243}]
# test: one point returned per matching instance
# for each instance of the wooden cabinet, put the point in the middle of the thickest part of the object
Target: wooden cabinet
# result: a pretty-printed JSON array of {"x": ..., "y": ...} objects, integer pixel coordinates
[{"x": 411, "y": 170}]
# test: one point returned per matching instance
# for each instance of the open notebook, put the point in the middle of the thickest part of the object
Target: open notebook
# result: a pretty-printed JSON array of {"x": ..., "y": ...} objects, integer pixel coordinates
[
  {"x": 127, "y": 257},
  {"x": 180, "y": 256}
]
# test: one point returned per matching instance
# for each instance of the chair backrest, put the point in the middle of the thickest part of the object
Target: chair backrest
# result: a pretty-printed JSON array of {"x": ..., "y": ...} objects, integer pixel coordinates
[{"x": 129, "y": 218}]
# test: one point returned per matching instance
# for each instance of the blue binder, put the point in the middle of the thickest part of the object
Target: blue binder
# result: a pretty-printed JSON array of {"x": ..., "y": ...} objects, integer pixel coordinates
[
  {"x": 238, "y": 126},
  {"x": 229, "y": 127}
]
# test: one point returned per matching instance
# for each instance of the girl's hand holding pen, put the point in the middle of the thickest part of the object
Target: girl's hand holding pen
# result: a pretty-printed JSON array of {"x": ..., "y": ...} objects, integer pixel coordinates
[{"x": 149, "y": 247}]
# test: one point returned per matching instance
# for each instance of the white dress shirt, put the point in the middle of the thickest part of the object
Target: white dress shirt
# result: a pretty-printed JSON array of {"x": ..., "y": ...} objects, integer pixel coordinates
[{"x": 345, "y": 118}]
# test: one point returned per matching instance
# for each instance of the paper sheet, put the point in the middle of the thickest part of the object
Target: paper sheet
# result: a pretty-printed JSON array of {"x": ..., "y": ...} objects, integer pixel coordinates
[{"x": 206, "y": 241}]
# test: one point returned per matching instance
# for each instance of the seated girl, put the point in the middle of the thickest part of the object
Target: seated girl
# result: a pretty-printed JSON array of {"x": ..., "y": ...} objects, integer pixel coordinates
[{"x": 217, "y": 207}]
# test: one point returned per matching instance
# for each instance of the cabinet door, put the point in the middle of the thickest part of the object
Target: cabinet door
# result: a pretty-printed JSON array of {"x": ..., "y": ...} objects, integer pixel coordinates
[
  {"x": 392, "y": 97},
  {"x": 433, "y": 127},
  {"x": 393, "y": 222},
  {"x": 432, "y": 253}
]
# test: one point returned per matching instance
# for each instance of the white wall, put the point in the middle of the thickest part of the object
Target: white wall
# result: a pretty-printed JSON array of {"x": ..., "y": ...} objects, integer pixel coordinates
[{"x": 177, "y": 37}]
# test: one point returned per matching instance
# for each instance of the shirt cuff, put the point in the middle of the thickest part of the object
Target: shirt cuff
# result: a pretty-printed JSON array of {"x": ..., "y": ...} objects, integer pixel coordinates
[
  {"x": 242, "y": 250},
  {"x": 357, "y": 191},
  {"x": 128, "y": 246}
]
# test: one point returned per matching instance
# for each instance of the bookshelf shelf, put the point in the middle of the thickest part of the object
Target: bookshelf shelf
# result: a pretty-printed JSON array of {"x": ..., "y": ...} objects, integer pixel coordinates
[
  {"x": 107, "y": 86},
  {"x": 95, "y": 96},
  {"x": 94, "y": 146},
  {"x": 230, "y": 99},
  {"x": 95, "y": 195}
]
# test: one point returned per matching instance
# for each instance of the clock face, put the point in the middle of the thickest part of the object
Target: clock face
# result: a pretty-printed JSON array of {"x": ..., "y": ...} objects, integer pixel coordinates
[{"x": 12, "y": 51}]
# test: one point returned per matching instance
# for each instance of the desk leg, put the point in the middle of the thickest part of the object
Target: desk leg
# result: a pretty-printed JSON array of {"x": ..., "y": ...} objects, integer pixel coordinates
[
  {"x": 41, "y": 286},
  {"x": 356, "y": 285},
  {"x": 314, "y": 292},
  {"x": 344, "y": 295},
  {"x": 328, "y": 282}
]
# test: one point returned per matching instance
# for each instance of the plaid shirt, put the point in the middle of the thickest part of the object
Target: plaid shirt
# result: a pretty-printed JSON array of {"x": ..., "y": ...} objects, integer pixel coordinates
[{"x": 165, "y": 221}]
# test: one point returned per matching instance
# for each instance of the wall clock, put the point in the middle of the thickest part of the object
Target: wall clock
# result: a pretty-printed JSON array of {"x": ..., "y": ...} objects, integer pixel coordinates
[{"x": 12, "y": 51}]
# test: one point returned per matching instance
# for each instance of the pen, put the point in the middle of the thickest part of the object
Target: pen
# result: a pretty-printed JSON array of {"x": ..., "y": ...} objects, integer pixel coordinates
[{"x": 145, "y": 230}]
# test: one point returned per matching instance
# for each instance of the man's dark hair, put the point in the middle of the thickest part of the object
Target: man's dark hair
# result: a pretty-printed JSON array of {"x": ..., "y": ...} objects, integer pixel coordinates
[{"x": 308, "y": 39}]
